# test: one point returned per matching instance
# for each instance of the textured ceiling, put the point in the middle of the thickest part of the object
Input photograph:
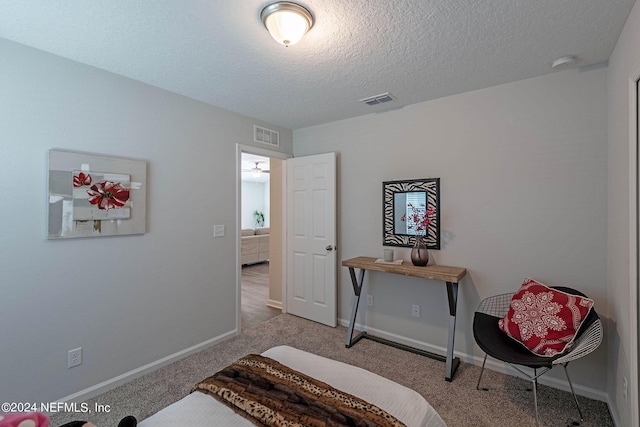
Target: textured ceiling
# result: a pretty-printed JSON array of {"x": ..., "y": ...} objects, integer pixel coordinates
[{"x": 218, "y": 52}]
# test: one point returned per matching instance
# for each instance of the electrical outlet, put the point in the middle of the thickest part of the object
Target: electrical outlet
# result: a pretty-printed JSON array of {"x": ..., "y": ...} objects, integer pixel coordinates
[
  {"x": 74, "y": 357},
  {"x": 625, "y": 389},
  {"x": 370, "y": 300},
  {"x": 415, "y": 310}
]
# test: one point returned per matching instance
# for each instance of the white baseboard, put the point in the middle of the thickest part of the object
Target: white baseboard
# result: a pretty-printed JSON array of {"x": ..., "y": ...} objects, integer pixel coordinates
[
  {"x": 491, "y": 364},
  {"x": 557, "y": 383},
  {"x": 104, "y": 386},
  {"x": 274, "y": 304},
  {"x": 614, "y": 413}
]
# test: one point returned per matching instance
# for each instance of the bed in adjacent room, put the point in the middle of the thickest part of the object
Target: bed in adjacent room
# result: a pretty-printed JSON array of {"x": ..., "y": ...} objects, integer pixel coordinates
[{"x": 201, "y": 409}]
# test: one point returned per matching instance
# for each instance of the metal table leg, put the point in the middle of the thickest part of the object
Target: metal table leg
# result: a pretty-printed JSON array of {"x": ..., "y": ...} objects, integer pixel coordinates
[
  {"x": 451, "y": 363},
  {"x": 357, "y": 290}
]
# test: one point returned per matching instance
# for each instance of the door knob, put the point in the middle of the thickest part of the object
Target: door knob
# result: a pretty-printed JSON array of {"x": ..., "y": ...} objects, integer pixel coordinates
[{"x": 329, "y": 248}]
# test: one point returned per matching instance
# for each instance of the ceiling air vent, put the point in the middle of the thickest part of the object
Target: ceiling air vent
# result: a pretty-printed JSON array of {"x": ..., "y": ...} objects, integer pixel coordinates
[
  {"x": 266, "y": 136},
  {"x": 378, "y": 99}
]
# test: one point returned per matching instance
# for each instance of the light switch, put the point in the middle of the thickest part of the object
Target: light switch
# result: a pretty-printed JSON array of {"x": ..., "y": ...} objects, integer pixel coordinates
[{"x": 218, "y": 231}]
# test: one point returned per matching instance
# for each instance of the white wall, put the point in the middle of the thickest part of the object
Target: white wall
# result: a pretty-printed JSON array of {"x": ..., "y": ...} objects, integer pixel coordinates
[
  {"x": 624, "y": 66},
  {"x": 523, "y": 170},
  {"x": 255, "y": 196},
  {"x": 128, "y": 301}
]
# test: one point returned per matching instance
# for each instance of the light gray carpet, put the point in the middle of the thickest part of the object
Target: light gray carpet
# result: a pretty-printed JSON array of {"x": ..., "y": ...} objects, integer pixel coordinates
[{"x": 458, "y": 402}]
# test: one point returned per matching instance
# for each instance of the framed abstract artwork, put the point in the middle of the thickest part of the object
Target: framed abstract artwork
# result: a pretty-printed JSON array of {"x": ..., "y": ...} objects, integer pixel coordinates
[{"x": 92, "y": 195}]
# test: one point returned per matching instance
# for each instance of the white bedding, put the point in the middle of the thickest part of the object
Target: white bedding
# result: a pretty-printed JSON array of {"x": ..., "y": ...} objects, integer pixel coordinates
[{"x": 199, "y": 409}]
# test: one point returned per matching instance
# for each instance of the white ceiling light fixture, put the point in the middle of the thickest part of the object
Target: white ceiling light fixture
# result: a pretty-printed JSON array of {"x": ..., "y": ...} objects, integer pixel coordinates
[
  {"x": 564, "y": 62},
  {"x": 286, "y": 22},
  {"x": 256, "y": 172}
]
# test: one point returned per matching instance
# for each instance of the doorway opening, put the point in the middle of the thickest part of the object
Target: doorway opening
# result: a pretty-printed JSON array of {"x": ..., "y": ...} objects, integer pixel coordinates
[{"x": 257, "y": 280}]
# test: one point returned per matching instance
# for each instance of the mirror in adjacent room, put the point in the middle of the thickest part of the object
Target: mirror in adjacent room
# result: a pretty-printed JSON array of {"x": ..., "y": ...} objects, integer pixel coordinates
[{"x": 402, "y": 201}]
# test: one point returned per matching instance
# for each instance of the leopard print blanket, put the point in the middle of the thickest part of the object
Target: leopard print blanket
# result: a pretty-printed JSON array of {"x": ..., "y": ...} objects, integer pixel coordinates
[{"x": 271, "y": 394}]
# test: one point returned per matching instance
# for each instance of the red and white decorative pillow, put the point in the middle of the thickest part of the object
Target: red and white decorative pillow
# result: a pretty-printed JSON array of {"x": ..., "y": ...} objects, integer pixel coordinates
[{"x": 543, "y": 319}]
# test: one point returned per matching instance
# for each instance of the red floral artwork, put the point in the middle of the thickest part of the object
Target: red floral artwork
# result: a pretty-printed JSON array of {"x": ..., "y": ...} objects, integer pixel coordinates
[
  {"x": 82, "y": 179},
  {"x": 419, "y": 218},
  {"x": 108, "y": 195}
]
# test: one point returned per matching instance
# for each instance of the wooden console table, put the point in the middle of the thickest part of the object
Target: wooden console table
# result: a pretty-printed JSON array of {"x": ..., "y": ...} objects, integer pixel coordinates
[{"x": 450, "y": 275}]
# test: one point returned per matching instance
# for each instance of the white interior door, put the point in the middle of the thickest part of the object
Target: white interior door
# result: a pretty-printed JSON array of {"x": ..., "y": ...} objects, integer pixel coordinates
[{"x": 311, "y": 238}]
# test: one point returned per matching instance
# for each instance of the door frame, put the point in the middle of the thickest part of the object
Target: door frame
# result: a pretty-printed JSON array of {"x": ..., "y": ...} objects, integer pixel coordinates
[
  {"x": 634, "y": 225},
  {"x": 249, "y": 149}
]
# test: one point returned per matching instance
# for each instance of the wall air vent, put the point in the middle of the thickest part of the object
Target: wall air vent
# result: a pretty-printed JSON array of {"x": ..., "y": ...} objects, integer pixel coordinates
[
  {"x": 378, "y": 99},
  {"x": 266, "y": 136}
]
